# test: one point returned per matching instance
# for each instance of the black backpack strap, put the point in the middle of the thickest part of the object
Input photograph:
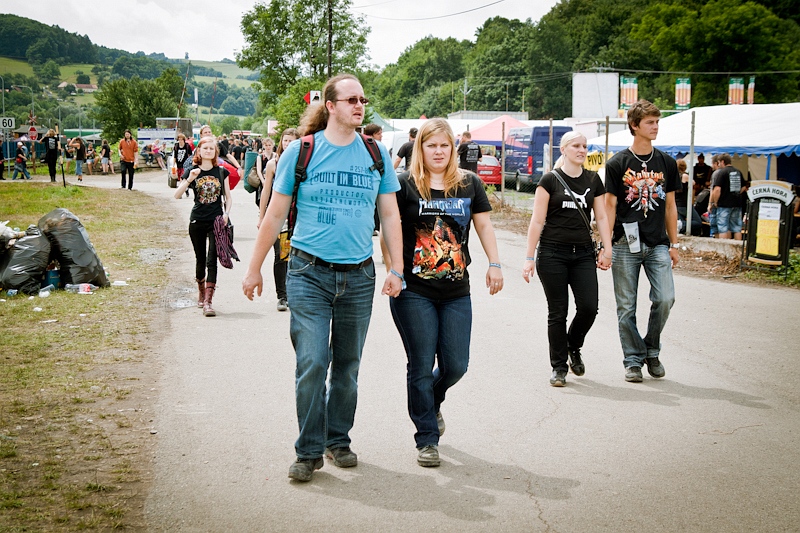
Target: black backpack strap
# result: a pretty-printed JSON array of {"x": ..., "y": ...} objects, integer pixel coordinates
[
  {"x": 375, "y": 152},
  {"x": 303, "y": 158}
]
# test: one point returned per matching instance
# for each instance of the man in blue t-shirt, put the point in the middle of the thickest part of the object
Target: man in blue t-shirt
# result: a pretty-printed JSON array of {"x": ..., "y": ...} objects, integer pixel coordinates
[{"x": 331, "y": 279}]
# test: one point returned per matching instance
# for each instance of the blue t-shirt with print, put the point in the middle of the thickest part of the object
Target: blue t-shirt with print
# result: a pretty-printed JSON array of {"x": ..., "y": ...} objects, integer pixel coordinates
[{"x": 336, "y": 202}]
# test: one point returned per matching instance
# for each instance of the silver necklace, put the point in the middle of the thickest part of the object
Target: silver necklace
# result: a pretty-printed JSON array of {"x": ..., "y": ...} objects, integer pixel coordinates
[{"x": 644, "y": 163}]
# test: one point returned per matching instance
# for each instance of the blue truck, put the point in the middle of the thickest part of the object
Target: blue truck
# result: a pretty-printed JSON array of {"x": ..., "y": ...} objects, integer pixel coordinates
[{"x": 525, "y": 150}]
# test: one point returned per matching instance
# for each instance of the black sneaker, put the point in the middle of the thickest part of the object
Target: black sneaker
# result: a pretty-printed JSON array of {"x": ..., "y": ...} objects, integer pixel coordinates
[
  {"x": 558, "y": 378},
  {"x": 655, "y": 368},
  {"x": 440, "y": 423},
  {"x": 303, "y": 469},
  {"x": 342, "y": 457},
  {"x": 633, "y": 374},
  {"x": 428, "y": 456},
  {"x": 283, "y": 305},
  {"x": 575, "y": 362}
]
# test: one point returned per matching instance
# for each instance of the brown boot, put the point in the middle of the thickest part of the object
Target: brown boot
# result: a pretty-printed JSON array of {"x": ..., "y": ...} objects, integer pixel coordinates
[
  {"x": 201, "y": 287},
  {"x": 207, "y": 309}
]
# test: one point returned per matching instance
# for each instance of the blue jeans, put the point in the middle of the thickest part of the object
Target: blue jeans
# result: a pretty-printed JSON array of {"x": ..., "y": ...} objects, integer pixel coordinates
[
  {"x": 561, "y": 266},
  {"x": 433, "y": 331},
  {"x": 658, "y": 269},
  {"x": 729, "y": 219},
  {"x": 330, "y": 316},
  {"x": 79, "y": 167},
  {"x": 20, "y": 168}
]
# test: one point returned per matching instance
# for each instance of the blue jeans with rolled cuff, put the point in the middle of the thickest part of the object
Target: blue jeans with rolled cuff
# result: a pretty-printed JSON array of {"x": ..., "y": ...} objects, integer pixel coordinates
[
  {"x": 330, "y": 316},
  {"x": 658, "y": 269},
  {"x": 433, "y": 332}
]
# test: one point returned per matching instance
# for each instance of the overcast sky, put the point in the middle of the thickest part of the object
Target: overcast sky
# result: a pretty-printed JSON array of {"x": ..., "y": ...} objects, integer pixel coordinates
[{"x": 209, "y": 29}]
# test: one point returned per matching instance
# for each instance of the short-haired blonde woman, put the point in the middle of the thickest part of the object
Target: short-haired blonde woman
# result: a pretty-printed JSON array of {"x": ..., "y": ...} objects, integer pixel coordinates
[
  {"x": 561, "y": 249},
  {"x": 438, "y": 204}
]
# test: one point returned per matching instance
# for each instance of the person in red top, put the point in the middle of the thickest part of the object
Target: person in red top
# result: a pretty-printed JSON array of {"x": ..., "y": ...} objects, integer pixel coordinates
[{"x": 128, "y": 151}]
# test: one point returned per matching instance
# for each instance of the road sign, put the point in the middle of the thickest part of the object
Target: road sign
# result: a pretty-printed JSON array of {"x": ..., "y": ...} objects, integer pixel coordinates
[
  {"x": 312, "y": 96},
  {"x": 8, "y": 123},
  {"x": 32, "y": 133}
]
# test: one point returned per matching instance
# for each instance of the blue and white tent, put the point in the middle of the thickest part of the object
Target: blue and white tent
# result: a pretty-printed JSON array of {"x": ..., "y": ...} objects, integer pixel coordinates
[{"x": 749, "y": 131}]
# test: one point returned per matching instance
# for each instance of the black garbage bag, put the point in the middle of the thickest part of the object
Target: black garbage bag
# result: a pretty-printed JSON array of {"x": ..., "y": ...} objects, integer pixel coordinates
[
  {"x": 24, "y": 264},
  {"x": 72, "y": 248}
]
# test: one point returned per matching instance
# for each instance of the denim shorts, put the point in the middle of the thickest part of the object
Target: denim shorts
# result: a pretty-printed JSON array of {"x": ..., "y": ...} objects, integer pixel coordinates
[{"x": 729, "y": 219}]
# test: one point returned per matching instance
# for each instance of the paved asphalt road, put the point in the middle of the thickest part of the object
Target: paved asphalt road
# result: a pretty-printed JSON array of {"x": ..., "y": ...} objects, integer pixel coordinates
[{"x": 712, "y": 447}]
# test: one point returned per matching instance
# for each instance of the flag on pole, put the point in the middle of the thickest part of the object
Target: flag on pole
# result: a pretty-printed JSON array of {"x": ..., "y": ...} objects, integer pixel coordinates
[
  {"x": 683, "y": 93},
  {"x": 736, "y": 91},
  {"x": 628, "y": 92}
]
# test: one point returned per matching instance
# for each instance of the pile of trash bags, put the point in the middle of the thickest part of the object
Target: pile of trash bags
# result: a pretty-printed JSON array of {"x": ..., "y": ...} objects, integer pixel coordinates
[{"x": 59, "y": 236}]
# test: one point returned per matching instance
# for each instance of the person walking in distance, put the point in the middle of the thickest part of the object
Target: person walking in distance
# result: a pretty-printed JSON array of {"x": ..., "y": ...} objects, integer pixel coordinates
[
  {"x": 50, "y": 142},
  {"x": 561, "y": 250},
  {"x": 438, "y": 204},
  {"x": 469, "y": 153},
  {"x": 212, "y": 199},
  {"x": 726, "y": 197},
  {"x": 331, "y": 279},
  {"x": 405, "y": 151},
  {"x": 640, "y": 203},
  {"x": 128, "y": 152},
  {"x": 281, "y": 260}
]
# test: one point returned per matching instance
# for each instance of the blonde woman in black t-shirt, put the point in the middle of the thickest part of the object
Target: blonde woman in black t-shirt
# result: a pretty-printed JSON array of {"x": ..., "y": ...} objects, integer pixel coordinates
[
  {"x": 561, "y": 248},
  {"x": 438, "y": 204},
  {"x": 212, "y": 199}
]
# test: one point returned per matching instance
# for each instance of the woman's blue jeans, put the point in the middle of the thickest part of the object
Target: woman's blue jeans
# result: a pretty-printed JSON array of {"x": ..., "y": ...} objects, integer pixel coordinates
[
  {"x": 433, "y": 331},
  {"x": 658, "y": 269},
  {"x": 330, "y": 316},
  {"x": 561, "y": 266}
]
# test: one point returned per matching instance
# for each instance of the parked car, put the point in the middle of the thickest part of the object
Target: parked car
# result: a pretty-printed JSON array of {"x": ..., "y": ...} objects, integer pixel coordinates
[
  {"x": 489, "y": 170},
  {"x": 525, "y": 154}
]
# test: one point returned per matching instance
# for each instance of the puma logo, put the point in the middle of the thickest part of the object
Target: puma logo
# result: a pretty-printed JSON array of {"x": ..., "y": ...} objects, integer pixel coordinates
[{"x": 580, "y": 197}]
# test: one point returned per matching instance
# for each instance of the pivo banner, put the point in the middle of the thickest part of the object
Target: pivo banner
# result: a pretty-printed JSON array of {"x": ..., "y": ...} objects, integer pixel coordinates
[
  {"x": 736, "y": 91},
  {"x": 683, "y": 93}
]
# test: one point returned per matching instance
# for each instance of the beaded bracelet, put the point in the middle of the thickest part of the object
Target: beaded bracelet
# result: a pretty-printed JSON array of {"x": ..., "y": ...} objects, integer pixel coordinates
[
  {"x": 495, "y": 265},
  {"x": 530, "y": 259}
]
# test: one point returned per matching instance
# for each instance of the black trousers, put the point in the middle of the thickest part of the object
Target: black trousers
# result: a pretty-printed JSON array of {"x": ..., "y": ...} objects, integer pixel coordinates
[
  {"x": 279, "y": 269},
  {"x": 127, "y": 168},
  {"x": 560, "y": 267},
  {"x": 201, "y": 232},
  {"x": 51, "y": 167}
]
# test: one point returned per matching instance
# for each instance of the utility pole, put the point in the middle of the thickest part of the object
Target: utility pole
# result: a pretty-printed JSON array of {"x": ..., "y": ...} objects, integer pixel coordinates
[
  {"x": 466, "y": 92},
  {"x": 330, "y": 35}
]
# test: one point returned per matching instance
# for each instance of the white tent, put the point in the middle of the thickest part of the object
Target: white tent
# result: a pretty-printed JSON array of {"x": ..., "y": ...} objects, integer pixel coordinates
[
  {"x": 758, "y": 129},
  {"x": 739, "y": 130}
]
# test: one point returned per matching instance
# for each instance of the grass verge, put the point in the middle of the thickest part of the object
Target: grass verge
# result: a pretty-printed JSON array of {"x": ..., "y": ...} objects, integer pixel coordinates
[{"x": 72, "y": 427}]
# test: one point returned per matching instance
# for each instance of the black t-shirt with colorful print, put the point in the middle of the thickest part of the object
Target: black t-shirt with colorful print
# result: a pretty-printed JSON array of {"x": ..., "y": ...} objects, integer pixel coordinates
[
  {"x": 642, "y": 192},
  {"x": 436, "y": 236},
  {"x": 209, "y": 189}
]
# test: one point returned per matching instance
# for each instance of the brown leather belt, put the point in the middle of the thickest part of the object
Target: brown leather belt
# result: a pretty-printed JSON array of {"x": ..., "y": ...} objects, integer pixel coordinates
[{"x": 338, "y": 267}]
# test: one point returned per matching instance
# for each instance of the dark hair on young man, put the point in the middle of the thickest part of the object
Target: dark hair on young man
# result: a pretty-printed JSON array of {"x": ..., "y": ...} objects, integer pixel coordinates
[
  {"x": 371, "y": 129},
  {"x": 640, "y": 110},
  {"x": 315, "y": 117},
  {"x": 412, "y": 133},
  {"x": 725, "y": 158}
]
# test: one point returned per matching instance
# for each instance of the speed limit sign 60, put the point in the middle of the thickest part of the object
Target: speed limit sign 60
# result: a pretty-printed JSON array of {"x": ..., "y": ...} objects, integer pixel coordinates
[{"x": 7, "y": 123}]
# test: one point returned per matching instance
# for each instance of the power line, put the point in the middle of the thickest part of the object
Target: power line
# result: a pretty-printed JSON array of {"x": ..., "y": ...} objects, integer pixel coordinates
[
  {"x": 439, "y": 17},
  {"x": 685, "y": 72}
]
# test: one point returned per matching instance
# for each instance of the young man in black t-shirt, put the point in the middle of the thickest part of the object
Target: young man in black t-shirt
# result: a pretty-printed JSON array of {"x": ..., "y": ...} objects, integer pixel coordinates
[
  {"x": 469, "y": 153},
  {"x": 727, "y": 187},
  {"x": 405, "y": 151},
  {"x": 641, "y": 182}
]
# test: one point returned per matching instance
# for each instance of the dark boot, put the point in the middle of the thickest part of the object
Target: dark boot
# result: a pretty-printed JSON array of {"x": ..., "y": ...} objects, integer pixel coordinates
[
  {"x": 207, "y": 309},
  {"x": 201, "y": 287}
]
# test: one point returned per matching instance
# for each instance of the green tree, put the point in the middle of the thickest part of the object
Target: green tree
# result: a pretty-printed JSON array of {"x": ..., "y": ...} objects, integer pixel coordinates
[
  {"x": 82, "y": 78},
  {"x": 122, "y": 104},
  {"x": 724, "y": 36},
  {"x": 47, "y": 72},
  {"x": 228, "y": 124},
  {"x": 290, "y": 106},
  {"x": 288, "y": 40}
]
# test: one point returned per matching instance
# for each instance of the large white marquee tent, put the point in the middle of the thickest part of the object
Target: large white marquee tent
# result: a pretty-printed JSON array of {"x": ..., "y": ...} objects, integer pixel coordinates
[{"x": 758, "y": 133}]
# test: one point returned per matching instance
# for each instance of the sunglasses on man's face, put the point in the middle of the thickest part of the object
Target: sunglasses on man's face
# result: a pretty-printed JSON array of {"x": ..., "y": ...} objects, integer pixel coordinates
[{"x": 353, "y": 100}]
